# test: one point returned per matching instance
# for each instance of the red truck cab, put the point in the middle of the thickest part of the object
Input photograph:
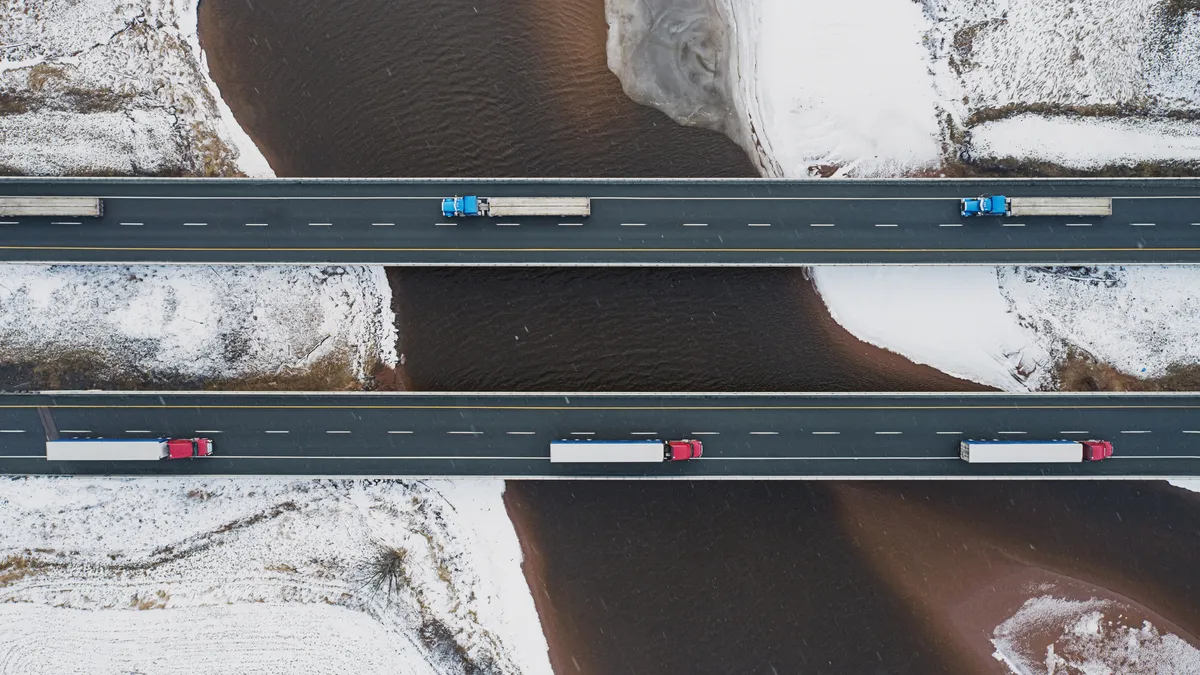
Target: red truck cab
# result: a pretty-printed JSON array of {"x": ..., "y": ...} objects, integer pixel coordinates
[
  {"x": 185, "y": 448},
  {"x": 1094, "y": 451},
  {"x": 685, "y": 449}
]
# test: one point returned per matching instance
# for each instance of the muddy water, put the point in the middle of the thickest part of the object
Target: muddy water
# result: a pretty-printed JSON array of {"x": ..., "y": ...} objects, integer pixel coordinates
[
  {"x": 870, "y": 579},
  {"x": 634, "y": 330},
  {"x": 446, "y": 88}
]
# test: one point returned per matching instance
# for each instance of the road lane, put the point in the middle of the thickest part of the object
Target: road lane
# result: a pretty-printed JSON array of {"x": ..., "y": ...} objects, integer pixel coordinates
[
  {"x": 873, "y": 436},
  {"x": 633, "y": 222}
]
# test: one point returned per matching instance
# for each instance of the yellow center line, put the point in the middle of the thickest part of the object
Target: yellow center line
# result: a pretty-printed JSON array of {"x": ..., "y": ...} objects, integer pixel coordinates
[
  {"x": 599, "y": 250},
  {"x": 138, "y": 406}
]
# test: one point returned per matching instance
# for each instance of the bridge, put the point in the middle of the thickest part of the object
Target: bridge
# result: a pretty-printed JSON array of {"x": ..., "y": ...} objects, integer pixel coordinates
[
  {"x": 751, "y": 222},
  {"x": 765, "y": 436}
]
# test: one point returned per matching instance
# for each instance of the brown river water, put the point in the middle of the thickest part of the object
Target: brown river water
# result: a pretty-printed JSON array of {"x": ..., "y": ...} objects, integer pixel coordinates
[{"x": 674, "y": 578}]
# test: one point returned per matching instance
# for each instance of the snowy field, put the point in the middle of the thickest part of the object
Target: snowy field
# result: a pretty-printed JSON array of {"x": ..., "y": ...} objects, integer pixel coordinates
[
  {"x": 113, "y": 86},
  {"x": 198, "y": 323},
  {"x": 262, "y": 576},
  {"x": 1051, "y": 635},
  {"x": 1006, "y": 327},
  {"x": 887, "y": 87}
]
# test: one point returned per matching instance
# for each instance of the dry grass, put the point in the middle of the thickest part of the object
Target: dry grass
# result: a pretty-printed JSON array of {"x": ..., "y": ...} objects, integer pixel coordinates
[
  {"x": 214, "y": 159},
  {"x": 156, "y": 601},
  {"x": 1079, "y": 372},
  {"x": 17, "y": 566},
  {"x": 386, "y": 573},
  {"x": 331, "y": 373},
  {"x": 43, "y": 74}
]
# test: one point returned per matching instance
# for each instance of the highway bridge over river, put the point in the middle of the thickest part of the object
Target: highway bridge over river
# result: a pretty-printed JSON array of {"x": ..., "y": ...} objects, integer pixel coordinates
[
  {"x": 752, "y": 222},
  {"x": 771, "y": 436}
]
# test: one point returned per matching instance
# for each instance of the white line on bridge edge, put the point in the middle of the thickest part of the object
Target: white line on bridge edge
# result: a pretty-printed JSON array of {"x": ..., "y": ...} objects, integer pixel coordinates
[
  {"x": 520, "y": 433},
  {"x": 764, "y": 433}
]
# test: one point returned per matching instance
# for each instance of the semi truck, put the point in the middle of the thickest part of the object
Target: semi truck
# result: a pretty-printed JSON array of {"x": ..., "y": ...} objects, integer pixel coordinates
[
  {"x": 91, "y": 207},
  {"x": 512, "y": 207},
  {"x": 999, "y": 205},
  {"x": 998, "y": 452},
  {"x": 127, "y": 449},
  {"x": 579, "y": 451}
]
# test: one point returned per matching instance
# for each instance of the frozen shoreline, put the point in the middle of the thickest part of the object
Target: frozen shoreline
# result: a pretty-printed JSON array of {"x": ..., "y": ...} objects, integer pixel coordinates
[
  {"x": 114, "y": 87},
  {"x": 261, "y": 570},
  {"x": 883, "y": 88}
]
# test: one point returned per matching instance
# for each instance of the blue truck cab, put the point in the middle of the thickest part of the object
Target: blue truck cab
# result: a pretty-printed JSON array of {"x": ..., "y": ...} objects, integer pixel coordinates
[
  {"x": 993, "y": 205},
  {"x": 460, "y": 206}
]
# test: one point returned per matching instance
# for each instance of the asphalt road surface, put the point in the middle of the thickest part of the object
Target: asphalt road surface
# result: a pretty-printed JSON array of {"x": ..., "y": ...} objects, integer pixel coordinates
[
  {"x": 508, "y": 435},
  {"x": 633, "y": 222}
]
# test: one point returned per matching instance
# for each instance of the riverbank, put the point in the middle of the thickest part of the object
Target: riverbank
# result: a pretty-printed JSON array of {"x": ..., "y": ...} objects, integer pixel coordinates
[
  {"x": 1029, "y": 328},
  {"x": 108, "y": 87},
  {"x": 958, "y": 87}
]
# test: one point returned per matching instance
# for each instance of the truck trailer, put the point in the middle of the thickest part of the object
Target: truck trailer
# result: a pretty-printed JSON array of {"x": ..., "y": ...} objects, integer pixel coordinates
[
  {"x": 127, "y": 449},
  {"x": 91, "y": 207},
  {"x": 999, "y": 205},
  {"x": 513, "y": 207},
  {"x": 999, "y": 452},
  {"x": 579, "y": 451}
]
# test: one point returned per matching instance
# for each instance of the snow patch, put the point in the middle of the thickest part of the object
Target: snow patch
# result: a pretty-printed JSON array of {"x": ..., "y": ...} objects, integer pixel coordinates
[
  {"x": 1087, "y": 143},
  {"x": 1051, "y": 635},
  {"x": 198, "y": 322},
  {"x": 261, "y": 576},
  {"x": 97, "y": 70},
  {"x": 1005, "y": 327}
]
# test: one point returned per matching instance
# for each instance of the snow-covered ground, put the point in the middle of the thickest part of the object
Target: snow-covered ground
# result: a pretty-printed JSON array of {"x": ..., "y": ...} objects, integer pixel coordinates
[
  {"x": 197, "y": 322},
  {"x": 113, "y": 86},
  {"x": 1006, "y": 327},
  {"x": 258, "y": 576},
  {"x": 1051, "y": 635},
  {"x": 884, "y": 88}
]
